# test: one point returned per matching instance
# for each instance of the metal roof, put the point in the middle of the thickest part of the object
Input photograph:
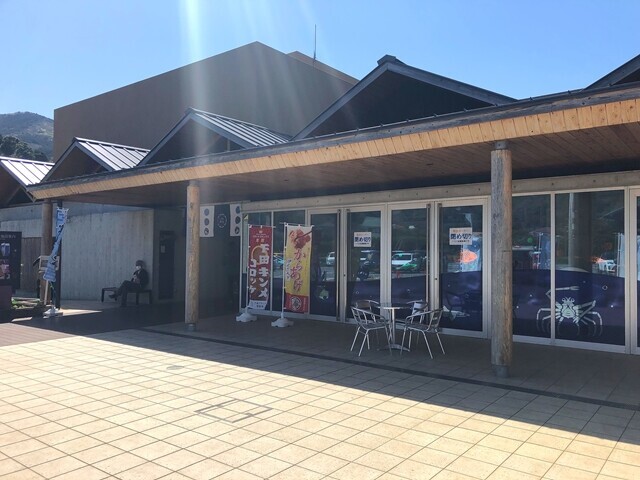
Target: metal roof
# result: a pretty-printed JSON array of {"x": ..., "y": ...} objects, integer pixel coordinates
[
  {"x": 394, "y": 92},
  {"x": 626, "y": 73},
  {"x": 110, "y": 156},
  {"x": 113, "y": 157},
  {"x": 26, "y": 172},
  {"x": 243, "y": 133}
]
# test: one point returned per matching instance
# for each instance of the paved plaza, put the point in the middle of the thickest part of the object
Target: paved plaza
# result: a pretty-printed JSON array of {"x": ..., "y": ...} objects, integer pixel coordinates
[{"x": 153, "y": 402}]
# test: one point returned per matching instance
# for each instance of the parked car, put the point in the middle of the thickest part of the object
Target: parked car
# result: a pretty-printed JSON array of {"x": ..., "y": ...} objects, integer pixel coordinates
[
  {"x": 402, "y": 258},
  {"x": 331, "y": 259},
  {"x": 418, "y": 264}
]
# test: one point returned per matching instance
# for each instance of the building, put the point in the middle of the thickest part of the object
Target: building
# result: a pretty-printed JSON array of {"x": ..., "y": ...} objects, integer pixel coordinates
[
  {"x": 517, "y": 217},
  {"x": 114, "y": 131}
]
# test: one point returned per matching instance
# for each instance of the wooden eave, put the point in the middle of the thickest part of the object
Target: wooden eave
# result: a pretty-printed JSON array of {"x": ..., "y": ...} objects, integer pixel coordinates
[{"x": 560, "y": 134}]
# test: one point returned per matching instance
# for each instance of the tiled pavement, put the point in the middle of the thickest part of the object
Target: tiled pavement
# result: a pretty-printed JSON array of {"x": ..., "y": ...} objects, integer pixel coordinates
[{"x": 138, "y": 404}]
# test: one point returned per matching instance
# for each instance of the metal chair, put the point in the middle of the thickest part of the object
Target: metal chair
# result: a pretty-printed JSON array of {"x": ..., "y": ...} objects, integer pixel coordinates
[
  {"x": 368, "y": 322},
  {"x": 424, "y": 322},
  {"x": 365, "y": 304},
  {"x": 416, "y": 306}
]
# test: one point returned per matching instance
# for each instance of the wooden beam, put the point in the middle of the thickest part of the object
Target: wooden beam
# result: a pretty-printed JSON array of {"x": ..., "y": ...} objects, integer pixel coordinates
[
  {"x": 531, "y": 120},
  {"x": 501, "y": 261},
  {"x": 192, "y": 293}
]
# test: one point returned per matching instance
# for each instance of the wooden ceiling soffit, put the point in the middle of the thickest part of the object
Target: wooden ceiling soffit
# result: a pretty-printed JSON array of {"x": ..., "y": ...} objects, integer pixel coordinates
[{"x": 530, "y": 122}]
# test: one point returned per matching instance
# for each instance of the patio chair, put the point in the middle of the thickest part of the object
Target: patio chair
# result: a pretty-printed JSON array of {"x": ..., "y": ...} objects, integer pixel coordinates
[
  {"x": 368, "y": 322},
  {"x": 415, "y": 306},
  {"x": 424, "y": 322},
  {"x": 365, "y": 304}
]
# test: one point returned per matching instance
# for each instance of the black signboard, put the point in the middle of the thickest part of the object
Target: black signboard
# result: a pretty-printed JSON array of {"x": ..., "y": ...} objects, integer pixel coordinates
[{"x": 10, "y": 255}]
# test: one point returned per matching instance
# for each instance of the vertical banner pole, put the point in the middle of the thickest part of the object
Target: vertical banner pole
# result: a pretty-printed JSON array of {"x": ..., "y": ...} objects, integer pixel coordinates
[
  {"x": 282, "y": 321},
  {"x": 246, "y": 316}
]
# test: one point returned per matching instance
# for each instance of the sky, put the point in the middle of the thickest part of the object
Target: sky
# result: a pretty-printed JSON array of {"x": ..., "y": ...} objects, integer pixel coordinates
[{"x": 57, "y": 52}]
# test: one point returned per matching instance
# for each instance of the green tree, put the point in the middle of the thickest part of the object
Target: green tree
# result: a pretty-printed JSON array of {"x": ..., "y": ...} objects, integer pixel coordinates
[
  {"x": 8, "y": 146},
  {"x": 24, "y": 151}
]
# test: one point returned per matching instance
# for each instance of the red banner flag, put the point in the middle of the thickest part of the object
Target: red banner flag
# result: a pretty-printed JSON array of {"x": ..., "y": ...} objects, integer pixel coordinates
[{"x": 259, "y": 266}]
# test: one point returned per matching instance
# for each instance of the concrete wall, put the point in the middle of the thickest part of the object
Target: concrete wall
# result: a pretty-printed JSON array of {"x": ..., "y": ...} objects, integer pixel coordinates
[
  {"x": 25, "y": 218},
  {"x": 101, "y": 249},
  {"x": 254, "y": 83}
]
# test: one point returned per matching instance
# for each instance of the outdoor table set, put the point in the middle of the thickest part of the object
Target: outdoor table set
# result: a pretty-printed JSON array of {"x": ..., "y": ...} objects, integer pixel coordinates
[{"x": 421, "y": 320}]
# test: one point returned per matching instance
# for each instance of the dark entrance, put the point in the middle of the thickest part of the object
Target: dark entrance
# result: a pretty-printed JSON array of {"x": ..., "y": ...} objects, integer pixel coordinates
[{"x": 166, "y": 264}]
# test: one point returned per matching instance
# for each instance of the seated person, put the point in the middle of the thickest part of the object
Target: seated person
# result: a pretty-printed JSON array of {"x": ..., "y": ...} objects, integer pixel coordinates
[{"x": 137, "y": 283}]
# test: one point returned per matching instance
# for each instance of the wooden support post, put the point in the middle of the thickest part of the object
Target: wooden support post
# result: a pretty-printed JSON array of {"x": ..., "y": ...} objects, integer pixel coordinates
[
  {"x": 192, "y": 294},
  {"x": 501, "y": 261},
  {"x": 46, "y": 241}
]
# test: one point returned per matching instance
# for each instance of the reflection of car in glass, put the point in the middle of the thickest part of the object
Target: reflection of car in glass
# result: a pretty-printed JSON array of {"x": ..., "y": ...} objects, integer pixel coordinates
[
  {"x": 331, "y": 259},
  {"x": 278, "y": 261},
  {"x": 418, "y": 264},
  {"x": 400, "y": 259}
]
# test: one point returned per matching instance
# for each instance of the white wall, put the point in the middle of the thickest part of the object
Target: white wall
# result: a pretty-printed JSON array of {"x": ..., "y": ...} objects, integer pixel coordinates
[{"x": 100, "y": 250}]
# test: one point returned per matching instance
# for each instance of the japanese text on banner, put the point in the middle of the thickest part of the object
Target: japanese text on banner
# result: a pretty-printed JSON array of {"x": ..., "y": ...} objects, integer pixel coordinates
[
  {"x": 297, "y": 262},
  {"x": 259, "y": 266}
]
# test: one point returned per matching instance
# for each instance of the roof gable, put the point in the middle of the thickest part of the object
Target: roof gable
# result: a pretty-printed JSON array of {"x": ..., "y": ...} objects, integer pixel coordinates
[
  {"x": 627, "y": 73},
  {"x": 202, "y": 133},
  {"x": 394, "y": 92},
  {"x": 86, "y": 156},
  {"x": 16, "y": 175}
]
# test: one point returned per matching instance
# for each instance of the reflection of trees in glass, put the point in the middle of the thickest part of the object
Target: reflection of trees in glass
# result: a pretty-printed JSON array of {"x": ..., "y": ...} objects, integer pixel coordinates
[
  {"x": 532, "y": 232},
  {"x": 589, "y": 225},
  {"x": 295, "y": 217},
  {"x": 409, "y": 230}
]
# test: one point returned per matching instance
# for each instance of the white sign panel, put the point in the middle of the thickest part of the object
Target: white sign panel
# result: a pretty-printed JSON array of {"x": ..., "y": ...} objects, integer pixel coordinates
[
  {"x": 206, "y": 220},
  {"x": 362, "y": 239},
  {"x": 460, "y": 236}
]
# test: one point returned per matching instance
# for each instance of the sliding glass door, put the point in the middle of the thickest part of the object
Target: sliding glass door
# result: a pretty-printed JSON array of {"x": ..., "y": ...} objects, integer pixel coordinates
[{"x": 461, "y": 254}]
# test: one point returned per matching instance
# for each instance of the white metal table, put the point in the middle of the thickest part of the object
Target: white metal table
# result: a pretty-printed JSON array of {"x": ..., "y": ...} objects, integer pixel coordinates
[{"x": 391, "y": 308}]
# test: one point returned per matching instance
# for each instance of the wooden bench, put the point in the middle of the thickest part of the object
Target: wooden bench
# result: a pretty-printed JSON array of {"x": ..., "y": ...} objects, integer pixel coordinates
[{"x": 148, "y": 292}]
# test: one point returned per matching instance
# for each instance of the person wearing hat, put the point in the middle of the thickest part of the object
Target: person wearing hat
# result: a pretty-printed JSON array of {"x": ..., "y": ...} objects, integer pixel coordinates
[{"x": 137, "y": 283}]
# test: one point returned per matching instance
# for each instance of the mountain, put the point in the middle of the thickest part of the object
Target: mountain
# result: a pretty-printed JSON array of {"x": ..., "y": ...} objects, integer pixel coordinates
[{"x": 33, "y": 129}]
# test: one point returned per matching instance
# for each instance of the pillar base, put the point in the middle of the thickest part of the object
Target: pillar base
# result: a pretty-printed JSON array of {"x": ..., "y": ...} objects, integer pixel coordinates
[
  {"x": 500, "y": 371},
  {"x": 191, "y": 327}
]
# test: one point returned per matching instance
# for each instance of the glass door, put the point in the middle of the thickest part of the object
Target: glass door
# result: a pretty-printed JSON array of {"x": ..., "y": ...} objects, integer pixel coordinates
[
  {"x": 325, "y": 260},
  {"x": 634, "y": 254},
  {"x": 409, "y": 253},
  {"x": 460, "y": 272},
  {"x": 362, "y": 271}
]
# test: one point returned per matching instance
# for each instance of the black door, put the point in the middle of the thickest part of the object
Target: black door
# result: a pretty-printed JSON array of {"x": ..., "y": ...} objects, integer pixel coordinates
[{"x": 166, "y": 264}]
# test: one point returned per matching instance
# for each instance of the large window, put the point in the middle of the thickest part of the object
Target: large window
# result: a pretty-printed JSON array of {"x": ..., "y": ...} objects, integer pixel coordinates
[
  {"x": 461, "y": 267},
  {"x": 409, "y": 260},
  {"x": 590, "y": 252},
  {"x": 532, "y": 265},
  {"x": 363, "y": 257}
]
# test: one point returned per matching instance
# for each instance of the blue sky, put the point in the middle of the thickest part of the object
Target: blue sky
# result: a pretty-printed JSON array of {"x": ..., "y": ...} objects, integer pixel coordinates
[{"x": 57, "y": 52}]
